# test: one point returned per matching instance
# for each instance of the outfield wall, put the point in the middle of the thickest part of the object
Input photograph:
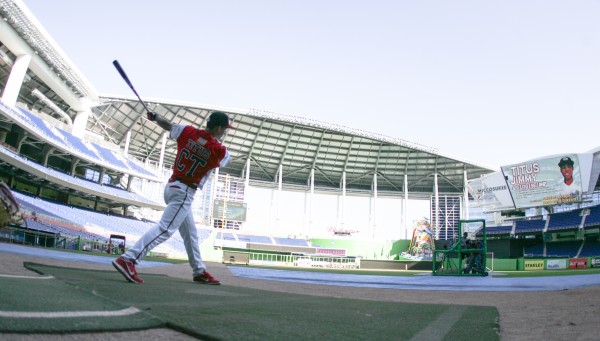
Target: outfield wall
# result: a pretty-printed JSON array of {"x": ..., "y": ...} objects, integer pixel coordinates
[{"x": 367, "y": 249}]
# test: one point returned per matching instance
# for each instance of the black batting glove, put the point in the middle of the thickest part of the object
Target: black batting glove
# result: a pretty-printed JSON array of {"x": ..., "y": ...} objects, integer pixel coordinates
[{"x": 151, "y": 116}]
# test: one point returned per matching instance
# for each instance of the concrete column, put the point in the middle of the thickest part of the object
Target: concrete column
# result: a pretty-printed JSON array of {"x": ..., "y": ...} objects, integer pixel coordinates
[
  {"x": 213, "y": 195},
  {"x": 465, "y": 212},
  {"x": 437, "y": 201},
  {"x": 312, "y": 200},
  {"x": 343, "y": 211},
  {"x": 81, "y": 119},
  {"x": 279, "y": 188},
  {"x": 129, "y": 182},
  {"x": 102, "y": 172},
  {"x": 405, "y": 206},
  {"x": 247, "y": 175},
  {"x": 74, "y": 161},
  {"x": 21, "y": 137},
  {"x": 127, "y": 141},
  {"x": 47, "y": 152},
  {"x": 374, "y": 214},
  {"x": 15, "y": 80}
]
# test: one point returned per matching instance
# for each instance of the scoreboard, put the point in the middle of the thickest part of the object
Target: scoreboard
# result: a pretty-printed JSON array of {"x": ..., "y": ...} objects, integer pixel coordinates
[{"x": 229, "y": 210}]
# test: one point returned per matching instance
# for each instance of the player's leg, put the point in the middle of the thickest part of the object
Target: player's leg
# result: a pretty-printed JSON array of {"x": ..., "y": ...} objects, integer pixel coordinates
[
  {"x": 190, "y": 241},
  {"x": 179, "y": 199}
]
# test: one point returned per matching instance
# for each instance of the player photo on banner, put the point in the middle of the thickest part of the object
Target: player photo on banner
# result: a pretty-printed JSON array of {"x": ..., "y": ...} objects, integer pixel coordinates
[{"x": 542, "y": 182}]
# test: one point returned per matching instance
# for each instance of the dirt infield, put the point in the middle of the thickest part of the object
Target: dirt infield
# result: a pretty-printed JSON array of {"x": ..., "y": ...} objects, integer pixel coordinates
[{"x": 548, "y": 315}]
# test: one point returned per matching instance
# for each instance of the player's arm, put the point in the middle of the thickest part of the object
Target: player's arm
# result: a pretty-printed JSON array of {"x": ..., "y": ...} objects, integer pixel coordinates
[
  {"x": 161, "y": 121},
  {"x": 225, "y": 160}
]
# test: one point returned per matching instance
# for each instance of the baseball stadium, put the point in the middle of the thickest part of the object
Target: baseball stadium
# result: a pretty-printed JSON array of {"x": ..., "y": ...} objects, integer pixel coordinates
[{"x": 316, "y": 231}]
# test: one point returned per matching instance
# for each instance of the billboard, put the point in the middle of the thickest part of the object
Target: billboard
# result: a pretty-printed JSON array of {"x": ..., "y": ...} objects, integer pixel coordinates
[
  {"x": 544, "y": 182},
  {"x": 547, "y": 181},
  {"x": 491, "y": 192}
]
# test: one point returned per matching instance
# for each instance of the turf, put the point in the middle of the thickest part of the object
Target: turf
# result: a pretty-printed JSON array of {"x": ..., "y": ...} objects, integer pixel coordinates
[
  {"x": 53, "y": 296},
  {"x": 237, "y": 313}
]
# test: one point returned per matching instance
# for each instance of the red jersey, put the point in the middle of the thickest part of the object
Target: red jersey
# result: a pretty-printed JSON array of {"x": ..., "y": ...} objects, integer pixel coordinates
[{"x": 198, "y": 152}]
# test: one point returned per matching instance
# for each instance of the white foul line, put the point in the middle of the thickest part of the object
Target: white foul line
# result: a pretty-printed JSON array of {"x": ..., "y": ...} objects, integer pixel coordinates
[
  {"x": 439, "y": 328},
  {"x": 62, "y": 314},
  {"x": 31, "y": 277}
]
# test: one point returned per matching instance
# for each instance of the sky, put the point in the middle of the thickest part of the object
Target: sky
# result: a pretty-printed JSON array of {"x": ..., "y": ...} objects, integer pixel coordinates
[{"x": 488, "y": 82}]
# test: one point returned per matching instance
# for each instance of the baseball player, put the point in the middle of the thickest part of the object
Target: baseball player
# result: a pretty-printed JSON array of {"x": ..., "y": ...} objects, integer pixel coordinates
[{"x": 198, "y": 153}]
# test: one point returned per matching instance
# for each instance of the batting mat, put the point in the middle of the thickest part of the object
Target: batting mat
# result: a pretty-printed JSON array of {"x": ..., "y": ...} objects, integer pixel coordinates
[
  {"x": 67, "y": 300},
  {"x": 45, "y": 304}
]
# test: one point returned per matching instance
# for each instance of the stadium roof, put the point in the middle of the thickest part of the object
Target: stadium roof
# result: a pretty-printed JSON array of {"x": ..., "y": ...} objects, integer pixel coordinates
[{"x": 269, "y": 142}]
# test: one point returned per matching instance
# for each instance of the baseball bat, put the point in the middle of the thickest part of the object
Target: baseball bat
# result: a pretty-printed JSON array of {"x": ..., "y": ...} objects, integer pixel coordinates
[{"x": 126, "y": 79}]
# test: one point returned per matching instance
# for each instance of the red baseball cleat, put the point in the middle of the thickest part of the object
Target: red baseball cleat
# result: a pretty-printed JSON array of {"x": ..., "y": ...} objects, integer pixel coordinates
[
  {"x": 206, "y": 278},
  {"x": 127, "y": 269}
]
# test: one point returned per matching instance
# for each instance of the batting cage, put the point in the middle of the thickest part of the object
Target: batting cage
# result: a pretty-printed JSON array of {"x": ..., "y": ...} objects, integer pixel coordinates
[{"x": 467, "y": 255}]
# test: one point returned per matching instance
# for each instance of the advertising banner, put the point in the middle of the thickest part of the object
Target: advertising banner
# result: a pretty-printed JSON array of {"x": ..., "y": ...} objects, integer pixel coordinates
[
  {"x": 544, "y": 182},
  {"x": 534, "y": 265},
  {"x": 596, "y": 262},
  {"x": 490, "y": 193},
  {"x": 578, "y": 263},
  {"x": 556, "y": 264}
]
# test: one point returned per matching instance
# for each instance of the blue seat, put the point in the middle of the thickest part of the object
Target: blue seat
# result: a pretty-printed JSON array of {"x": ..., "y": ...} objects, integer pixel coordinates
[
  {"x": 528, "y": 226},
  {"x": 565, "y": 220}
]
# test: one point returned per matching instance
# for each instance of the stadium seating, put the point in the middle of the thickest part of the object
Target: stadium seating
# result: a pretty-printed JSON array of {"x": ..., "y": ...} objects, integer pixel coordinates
[
  {"x": 38, "y": 125},
  {"x": 47, "y": 227},
  {"x": 90, "y": 220},
  {"x": 528, "y": 226},
  {"x": 497, "y": 230},
  {"x": 291, "y": 241},
  {"x": 591, "y": 248},
  {"x": 69, "y": 142},
  {"x": 593, "y": 219},
  {"x": 109, "y": 157},
  {"x": 254, "y": 239},
  {"x": 132, "y": 165},
  {"x": 121, "y": 193},
  {"x": 563, "y": 249},
  {"x": 74, "y": 142},
  {"x": 565, "y": 220},
  {"x": 131, "y": 228},
  {"x": 534, "y": 251},
  {"x": 225, "y": 236}
]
